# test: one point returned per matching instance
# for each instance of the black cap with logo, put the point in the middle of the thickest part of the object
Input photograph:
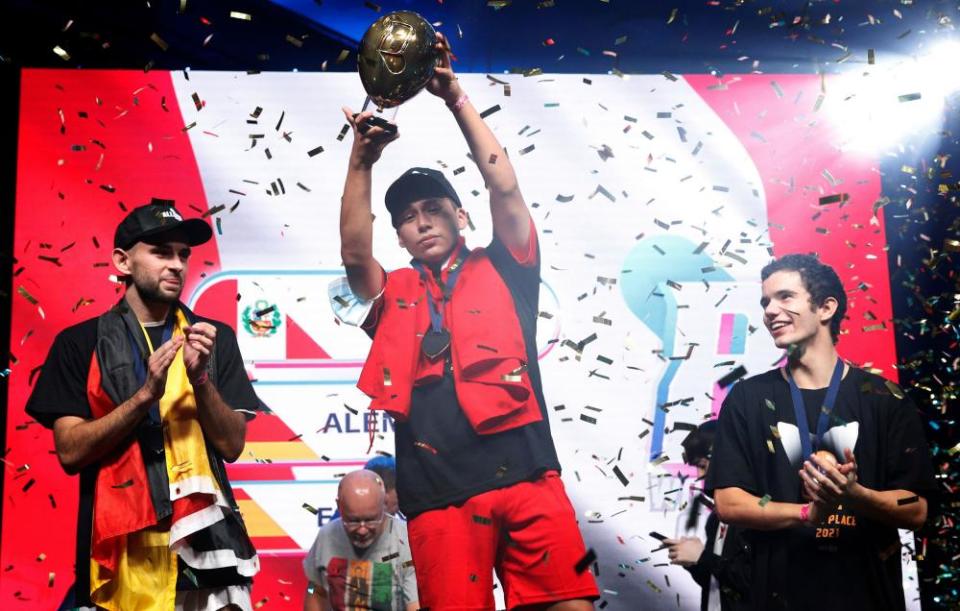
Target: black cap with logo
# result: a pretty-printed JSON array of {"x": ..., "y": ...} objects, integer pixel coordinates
[
  {"x": 416, "y": 184},
  {"x": 157, "y": 217}
]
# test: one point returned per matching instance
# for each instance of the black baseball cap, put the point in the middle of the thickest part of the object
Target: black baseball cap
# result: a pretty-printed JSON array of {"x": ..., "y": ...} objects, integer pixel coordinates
[
  {"x": 159, "y": 216},
  {"x": 416, "y": 184}
]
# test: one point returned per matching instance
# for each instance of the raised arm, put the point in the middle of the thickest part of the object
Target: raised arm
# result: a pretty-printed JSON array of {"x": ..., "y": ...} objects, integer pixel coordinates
[
  {"x": 356, "y": 216},
  {"x": 509, "y": 213}
]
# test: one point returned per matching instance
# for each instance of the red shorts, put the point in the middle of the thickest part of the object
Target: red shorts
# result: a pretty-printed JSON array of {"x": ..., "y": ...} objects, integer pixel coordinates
[{"x": 526, "y": 532}]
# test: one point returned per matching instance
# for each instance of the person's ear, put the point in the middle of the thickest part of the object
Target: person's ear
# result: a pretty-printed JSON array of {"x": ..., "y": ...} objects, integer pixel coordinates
[
  {"x": 463, "y": 219},
  {"x": 827, "y": 309},
  {"x": 121, "y": 261}
]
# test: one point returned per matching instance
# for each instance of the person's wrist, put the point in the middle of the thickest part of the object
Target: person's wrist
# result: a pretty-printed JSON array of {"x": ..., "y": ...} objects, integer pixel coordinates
[
  {"x": 201, "y": 379},
  {"x": 453, "y": 94},
  {"x": 805, "y": 513},
  {"x": 361, "y": 162},
  {"x": 458, "y": 104},
  {"x": 144, "y": 397}
]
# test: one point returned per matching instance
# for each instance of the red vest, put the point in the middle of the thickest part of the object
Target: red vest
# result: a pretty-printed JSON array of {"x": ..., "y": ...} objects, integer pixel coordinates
[{"x": 487, "y": 348}]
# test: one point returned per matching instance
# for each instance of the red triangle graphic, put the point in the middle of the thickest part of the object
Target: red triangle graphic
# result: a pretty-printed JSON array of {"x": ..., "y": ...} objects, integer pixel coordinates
[{"x": 300, "y": 345}]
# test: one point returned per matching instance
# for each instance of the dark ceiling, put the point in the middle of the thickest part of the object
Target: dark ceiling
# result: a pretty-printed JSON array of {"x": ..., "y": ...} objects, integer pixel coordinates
[{"x": 488, "y": 36}]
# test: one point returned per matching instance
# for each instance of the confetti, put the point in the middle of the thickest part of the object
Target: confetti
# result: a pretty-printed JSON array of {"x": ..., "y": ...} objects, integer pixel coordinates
[
  {"x": 732, "y": 377},
  {"x": 425, "y": 446},
  {"x": 620, "y": 476},
  {"x": 486, "y": 113},
  {"x": 584, "y": 563}
]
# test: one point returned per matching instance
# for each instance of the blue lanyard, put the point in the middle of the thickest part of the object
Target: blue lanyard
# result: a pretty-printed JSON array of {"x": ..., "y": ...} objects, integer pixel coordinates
[
  {"x": 140, "y": 364},
  {"x": 823, "y": 421},
  {"x": 453, "y": 272}
]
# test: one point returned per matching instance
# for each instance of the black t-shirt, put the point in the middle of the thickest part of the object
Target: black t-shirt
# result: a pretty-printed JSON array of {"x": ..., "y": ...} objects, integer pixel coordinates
[
  {"x": 61, "y": 390},
  {"x": 461, "y": 463},
  {"x": 850, "y": 562}
]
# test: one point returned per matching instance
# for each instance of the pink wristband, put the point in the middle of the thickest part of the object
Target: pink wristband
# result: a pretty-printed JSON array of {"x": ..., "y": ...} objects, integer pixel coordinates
[
  {"x": 805, "y": 513},
  {"x": 456, "y": 106},
  {"x": 201, "y": 380}
]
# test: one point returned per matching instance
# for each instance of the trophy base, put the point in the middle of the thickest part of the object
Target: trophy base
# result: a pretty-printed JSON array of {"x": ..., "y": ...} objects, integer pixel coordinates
[{"x": 375, "y": 121}]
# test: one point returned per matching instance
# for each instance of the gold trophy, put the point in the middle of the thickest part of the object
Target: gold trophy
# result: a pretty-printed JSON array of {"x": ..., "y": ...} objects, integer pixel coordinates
[
  {"x": 396, "y": 60},
  {"x": 826, "y": 457}
]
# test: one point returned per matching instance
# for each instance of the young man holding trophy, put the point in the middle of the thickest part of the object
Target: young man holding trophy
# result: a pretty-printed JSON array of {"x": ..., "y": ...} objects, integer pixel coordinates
[{"x": 454, "y": 361}]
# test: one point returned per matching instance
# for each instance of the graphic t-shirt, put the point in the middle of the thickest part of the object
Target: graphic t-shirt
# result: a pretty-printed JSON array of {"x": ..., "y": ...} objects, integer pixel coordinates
[
  {"x": 379, "y": 578},
  {"x": 849, "y": 561}
]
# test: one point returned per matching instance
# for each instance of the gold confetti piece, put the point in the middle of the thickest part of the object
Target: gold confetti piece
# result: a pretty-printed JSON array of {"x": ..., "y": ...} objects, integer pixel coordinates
[
  {"x": 425, "y": 446},
  {"x": 776, "y": 89},
  {"x": 770, "y": 447},
  {"x": 344, "y": 54},
  {"x": 908, "y": 500},
  {"x": 310, "y": 508},
  {"x": 159, "y": 41},
  {"x": 240, "y": 16},
  {"x": 909, "y": 97},
  {"x": 62, "y": 53},
  {"x": 764, "y": 500},
  {"x": 659, "y": 460},
  {"x": 894, "y": 389},
  {"x": 26, "y": 295},
  {"x": 189, "y": 575},
  {"x": 41, "y": 557},
  {"x": 50, "y": 579},
  {"x": 951, "y": 245}
]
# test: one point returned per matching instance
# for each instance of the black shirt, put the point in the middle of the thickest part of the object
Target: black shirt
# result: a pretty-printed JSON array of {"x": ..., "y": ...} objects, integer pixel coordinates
[
  {"x": 61, "y": 390},
  {"x": 441, "y": 460},
  {"x": 850, "y": 562}
]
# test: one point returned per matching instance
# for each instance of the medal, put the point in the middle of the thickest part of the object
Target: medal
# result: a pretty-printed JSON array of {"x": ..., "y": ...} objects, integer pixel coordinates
[
  {"x": 436, "y": 340},
  {"x": 435, "y": 343}
]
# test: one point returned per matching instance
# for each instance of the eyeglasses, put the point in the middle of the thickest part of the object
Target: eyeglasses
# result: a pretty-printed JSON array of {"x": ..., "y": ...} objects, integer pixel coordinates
[{"x": 355, "y": 524}]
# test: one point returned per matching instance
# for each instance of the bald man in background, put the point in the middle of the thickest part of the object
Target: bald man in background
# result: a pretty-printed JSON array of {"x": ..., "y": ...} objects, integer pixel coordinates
[{"x": 361, "y": 560}]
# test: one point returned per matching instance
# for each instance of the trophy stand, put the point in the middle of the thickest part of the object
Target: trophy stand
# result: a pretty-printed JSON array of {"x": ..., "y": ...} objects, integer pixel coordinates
[{"x": 383, "y": 118}]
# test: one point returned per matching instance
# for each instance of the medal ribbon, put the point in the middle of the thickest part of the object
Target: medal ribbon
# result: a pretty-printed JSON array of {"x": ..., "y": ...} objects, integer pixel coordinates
[
  {"x": 801, "y": 413},
  {"x": 446, "y": 288}
]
